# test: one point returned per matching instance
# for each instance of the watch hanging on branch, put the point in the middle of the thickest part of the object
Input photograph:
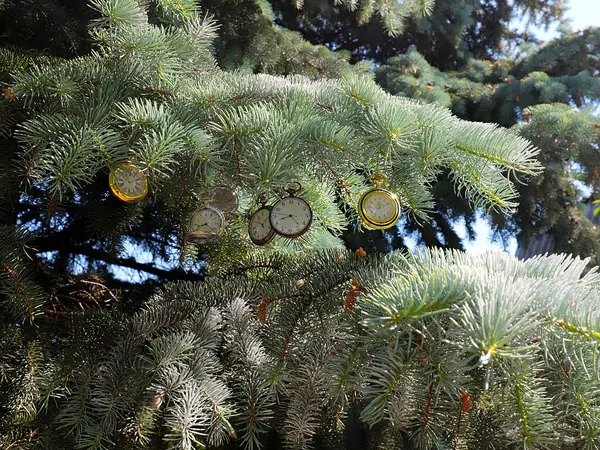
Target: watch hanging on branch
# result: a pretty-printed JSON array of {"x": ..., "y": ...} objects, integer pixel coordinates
[
  {"x": 291, "y": 216},
  {"x": 379, "y": 208},
  {"x": 259, "y": 227},
  {"x": 128, "y": 182},
  {"x": 206, "y": 222},
  {"x": 223, "y": 198}
]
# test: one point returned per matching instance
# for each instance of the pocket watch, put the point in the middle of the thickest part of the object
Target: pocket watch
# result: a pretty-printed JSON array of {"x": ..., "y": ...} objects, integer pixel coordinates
[
  {"x": 206, "y": 221},
  {"x": 377, "y": 207},
  {"x": 291, "y": 216},
  {"x": 223, "y": 198},
  {"x": 128, "y": 183},
  {"x": 259, "y": 227}
]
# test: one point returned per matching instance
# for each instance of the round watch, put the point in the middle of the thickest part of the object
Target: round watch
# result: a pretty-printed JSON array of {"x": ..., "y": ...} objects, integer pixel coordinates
[
  {"x": 205, "y": 222},
  {"x": 224, "y": 198},
  {"x": 377, "y": 207},
  {"x": 259, "y": 227},
  {"x": 128, "y": 182},
  {"x": 291, "y": 216}
]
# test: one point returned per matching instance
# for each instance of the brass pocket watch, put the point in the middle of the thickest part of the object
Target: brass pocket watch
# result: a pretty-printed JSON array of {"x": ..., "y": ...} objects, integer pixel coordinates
[
  {"x": 377, "y": 207},
  {"x": 128, "y": 182},
  {"x": 259, "y": 226},
  {"x": 291, "y": 216}
]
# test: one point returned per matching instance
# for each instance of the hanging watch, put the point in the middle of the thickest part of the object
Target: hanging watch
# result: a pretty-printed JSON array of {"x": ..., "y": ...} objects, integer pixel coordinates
[
  {"x": 128, "y": 183},
  {"x": 291, "y": 216},
  {"x": 259, "y": 226},
  {"x": 224, "y": 198},
  {"x": 377, "y": 207},
  {"x": 205, "y": 222}
]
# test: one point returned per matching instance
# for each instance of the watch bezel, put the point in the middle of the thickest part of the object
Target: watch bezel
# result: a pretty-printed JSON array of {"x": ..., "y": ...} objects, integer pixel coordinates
[{"x": 372, "y": 222}]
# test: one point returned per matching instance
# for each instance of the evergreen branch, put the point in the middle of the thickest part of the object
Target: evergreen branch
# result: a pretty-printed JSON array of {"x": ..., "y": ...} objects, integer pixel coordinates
[{"x": 45, "y": 245}]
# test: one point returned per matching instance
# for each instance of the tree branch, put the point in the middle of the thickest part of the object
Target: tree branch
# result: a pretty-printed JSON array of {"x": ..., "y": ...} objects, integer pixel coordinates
[{"x": 64, "y": 246}]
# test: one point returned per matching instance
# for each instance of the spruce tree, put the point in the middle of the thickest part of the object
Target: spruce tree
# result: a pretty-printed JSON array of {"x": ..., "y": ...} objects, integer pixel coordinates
[{"x": 299, "y": 344}]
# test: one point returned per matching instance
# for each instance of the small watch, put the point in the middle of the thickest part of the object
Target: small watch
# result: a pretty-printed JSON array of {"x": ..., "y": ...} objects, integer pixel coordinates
[
  {"x": 377, "y": 207},
  {"x": 291, "y": 216},
  {"x": 128, "y": 182}
]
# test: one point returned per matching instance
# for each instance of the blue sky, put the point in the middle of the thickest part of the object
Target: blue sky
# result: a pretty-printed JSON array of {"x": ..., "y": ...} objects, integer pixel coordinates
[{"x": 582, "y": 14}]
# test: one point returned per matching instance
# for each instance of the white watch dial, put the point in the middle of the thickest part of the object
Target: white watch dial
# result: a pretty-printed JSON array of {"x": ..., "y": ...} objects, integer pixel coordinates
[
  {"x": 206, "y": 221},
  {"x": 380, "y": 207},
  {"x": 130, "y": 181},
  {"x": 291, "y": 216},
  {"x": 260, "y": 226}
]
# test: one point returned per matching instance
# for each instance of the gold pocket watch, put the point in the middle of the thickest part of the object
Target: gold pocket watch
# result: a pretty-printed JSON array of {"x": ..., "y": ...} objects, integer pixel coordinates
[
  {"x": 291, "y": 216},
  {"x": 377, "y": 207},
  {"x": 259, "y": 226},
  {"x": 128, "y": 182},
  {"x": 206, "y": 222}
]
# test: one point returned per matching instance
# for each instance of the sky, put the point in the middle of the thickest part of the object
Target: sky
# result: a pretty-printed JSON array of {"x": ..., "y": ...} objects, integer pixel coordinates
[{"x": 583, "y": 14}]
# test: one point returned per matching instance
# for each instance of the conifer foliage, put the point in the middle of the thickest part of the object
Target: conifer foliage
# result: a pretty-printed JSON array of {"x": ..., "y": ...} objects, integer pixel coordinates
[
  {"x": 443, "y": 349},
  {"x": 152, "y": 95},
  {"x": 278, "y": 347}
]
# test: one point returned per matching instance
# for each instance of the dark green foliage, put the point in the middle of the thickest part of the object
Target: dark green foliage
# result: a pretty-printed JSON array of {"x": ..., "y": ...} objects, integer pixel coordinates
[
  {"x": 454, "y": 30},
  {"x": 57, "y": 27},
  {"x": 499, "y": 91}
]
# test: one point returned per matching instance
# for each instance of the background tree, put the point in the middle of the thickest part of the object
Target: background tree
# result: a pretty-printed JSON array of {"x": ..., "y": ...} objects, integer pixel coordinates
[
  {"x": 508, "y": 93},
  {"x": 447, "y": 35}
]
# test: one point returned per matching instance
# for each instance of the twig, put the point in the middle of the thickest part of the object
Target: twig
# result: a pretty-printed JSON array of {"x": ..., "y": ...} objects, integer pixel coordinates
[
  {"x": 103, "y": 287},
  {"x": 339, "y": 179},
  {"x": 83, "y": 291}
]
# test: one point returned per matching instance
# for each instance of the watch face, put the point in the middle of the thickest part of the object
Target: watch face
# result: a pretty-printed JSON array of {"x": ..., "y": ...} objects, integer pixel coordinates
[
  {"x": 206, "y": 221},
  {"x": 259, "y": 227},
  {"x": 291, "y": 217},
  {"x": 379, "y": 209},
  {"x": 128, "y": 183},
  {"x": 224, "y": 198}
]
